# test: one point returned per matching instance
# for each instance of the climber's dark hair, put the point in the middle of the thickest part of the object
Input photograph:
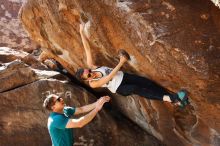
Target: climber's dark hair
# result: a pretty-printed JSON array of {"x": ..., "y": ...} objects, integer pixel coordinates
[{"x": 79, "y": 74}]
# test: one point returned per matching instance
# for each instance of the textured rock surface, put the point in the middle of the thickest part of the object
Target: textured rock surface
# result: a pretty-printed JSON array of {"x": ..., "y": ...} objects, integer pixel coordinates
[
  {"x": 11, "y": 73},
  {"x": 175, "y": 43},
  {"x": 216, "y": 2},
  {"x": 11, "y": 32},
  {"x": 23, "y": 121}
]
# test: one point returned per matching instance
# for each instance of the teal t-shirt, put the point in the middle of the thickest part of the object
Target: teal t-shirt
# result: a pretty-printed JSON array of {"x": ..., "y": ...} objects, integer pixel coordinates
[{"x": 60, "y": 135}]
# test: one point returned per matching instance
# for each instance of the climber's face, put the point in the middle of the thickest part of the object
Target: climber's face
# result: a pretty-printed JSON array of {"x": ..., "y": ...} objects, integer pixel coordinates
[{"x": 87, "y": 74}]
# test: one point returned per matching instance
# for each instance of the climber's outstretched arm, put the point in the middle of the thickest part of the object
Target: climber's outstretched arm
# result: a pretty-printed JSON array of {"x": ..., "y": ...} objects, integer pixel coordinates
[
  {"x": 106, "y": 79},
  {"x": 86, "y": 46}
]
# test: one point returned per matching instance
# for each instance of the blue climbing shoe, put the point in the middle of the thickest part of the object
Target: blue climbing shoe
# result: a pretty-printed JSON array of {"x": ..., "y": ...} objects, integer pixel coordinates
[{"x": 182, "y": 97}]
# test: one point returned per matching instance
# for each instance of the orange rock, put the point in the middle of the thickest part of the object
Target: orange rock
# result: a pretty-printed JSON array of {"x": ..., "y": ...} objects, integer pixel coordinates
[{"x": 149, "y": 39}]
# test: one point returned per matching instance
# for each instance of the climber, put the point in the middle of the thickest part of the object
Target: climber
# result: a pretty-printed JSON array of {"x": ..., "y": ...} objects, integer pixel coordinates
[
  {"x": 60, "y": 124},
  {"x": 124, "y": 83}
]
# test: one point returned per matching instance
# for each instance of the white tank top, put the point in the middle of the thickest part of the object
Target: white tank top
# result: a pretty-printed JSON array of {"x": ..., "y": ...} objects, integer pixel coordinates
[{"x": 114, "y": 83}]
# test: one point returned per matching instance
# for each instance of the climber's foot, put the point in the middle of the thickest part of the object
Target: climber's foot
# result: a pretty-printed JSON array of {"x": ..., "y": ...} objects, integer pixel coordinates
[{"x": 182, "y": 98}]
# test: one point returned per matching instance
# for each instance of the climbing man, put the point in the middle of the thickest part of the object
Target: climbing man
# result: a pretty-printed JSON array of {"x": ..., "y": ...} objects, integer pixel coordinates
[
  {"x": 124, "y": 83},
  {"x": 60, "y": 124}
]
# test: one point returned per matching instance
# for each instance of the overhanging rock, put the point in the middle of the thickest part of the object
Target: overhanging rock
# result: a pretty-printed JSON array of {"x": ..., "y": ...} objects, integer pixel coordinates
[{"x": 175, "y": 43}]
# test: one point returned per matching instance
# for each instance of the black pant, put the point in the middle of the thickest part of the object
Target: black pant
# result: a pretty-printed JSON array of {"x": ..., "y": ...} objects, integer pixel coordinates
[{"x": 134, "y": 84}]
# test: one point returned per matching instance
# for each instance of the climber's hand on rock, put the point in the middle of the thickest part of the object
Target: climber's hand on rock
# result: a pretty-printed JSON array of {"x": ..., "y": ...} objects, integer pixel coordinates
[
  {"x": 81, "y": 27},
  {"x": 122, "y": 52},
  {"x": 123, "y": 59}
]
